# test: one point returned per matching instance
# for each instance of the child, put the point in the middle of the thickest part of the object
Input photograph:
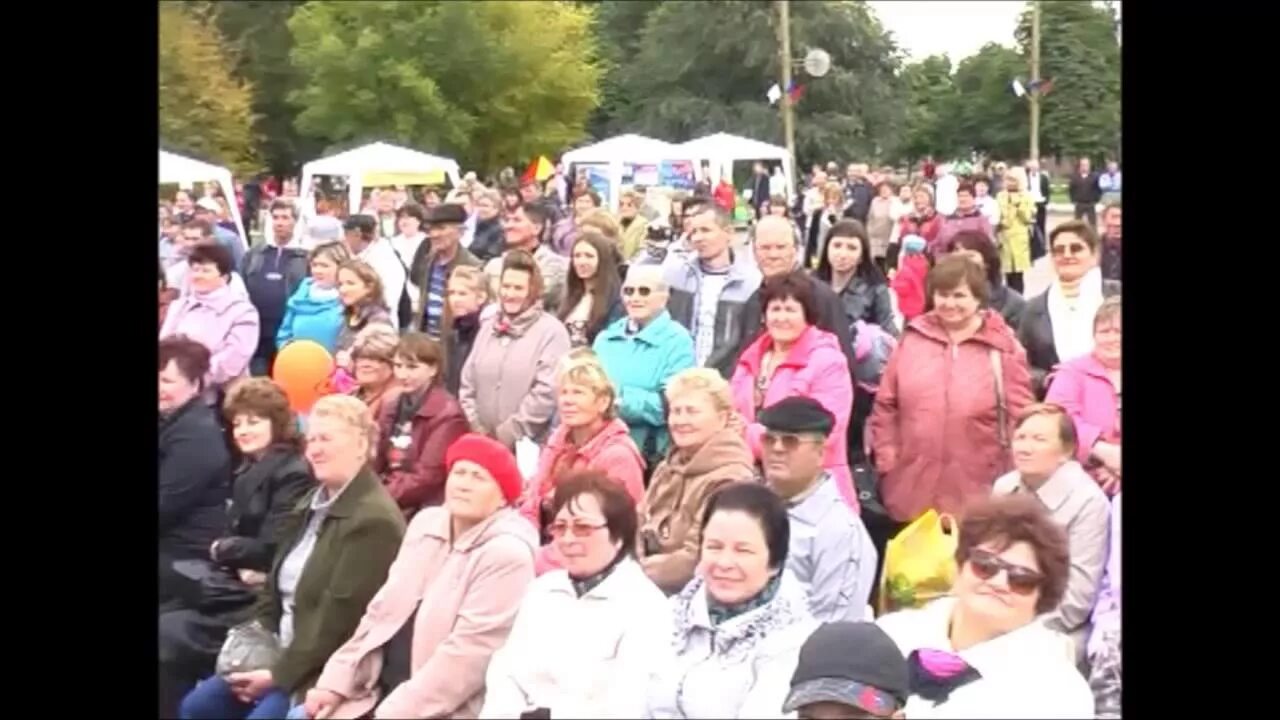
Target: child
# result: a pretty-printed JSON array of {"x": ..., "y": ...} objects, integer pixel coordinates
[{"x": 909, "y": 282}]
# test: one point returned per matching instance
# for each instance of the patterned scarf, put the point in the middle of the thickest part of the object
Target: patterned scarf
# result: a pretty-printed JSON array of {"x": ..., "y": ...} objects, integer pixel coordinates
[{"x": 719, "y": 612}]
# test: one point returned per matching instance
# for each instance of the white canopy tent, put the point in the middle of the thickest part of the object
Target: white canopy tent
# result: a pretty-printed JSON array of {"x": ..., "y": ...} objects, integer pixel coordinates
[
  {"x": 377, "y": 164},
  {"x": 186, "y": 171},
  {"x": 721, "y": 150},
  {"x": 617, "y": 151}
]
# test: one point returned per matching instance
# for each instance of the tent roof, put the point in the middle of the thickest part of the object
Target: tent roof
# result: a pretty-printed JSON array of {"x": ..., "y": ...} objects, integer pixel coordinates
[
  {"x": 179, "y": 169},
  {"x": 724, "y": 145},
  {"x": 624, "y": 148},
  {"x": 379, "y": 157}
]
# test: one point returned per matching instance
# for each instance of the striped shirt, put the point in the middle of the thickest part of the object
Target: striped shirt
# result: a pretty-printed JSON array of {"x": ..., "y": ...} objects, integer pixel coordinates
[{"x": 434, "y": 313}]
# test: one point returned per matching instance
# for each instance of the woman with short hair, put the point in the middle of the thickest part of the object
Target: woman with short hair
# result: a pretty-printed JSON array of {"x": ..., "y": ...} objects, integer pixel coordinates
[
  {"x": 450, "y": 598},
  {"x": 821, "y": 221},
  {"x": 214, "y": 315},
  {"x": 980, "y": 652},
  {"x": 315, "y": 312},
  {"x": 372, "y": 367},
  {"x": 635, "y": 229},
  {"x": 977, "y": 246},
  {"x": 741, "y": 621},
  {"x": 467, "y": 294},
  {"x": 592, "y": 299},
  {"x": 489, "y": 240}
]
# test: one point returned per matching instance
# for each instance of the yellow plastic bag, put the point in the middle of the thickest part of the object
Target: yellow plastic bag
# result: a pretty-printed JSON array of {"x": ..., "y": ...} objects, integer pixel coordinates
[{"x": 919, "y": 563}]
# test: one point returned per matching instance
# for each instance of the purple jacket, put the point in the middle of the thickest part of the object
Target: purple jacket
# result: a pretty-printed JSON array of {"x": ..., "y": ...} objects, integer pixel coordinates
[
  {"x": 1082, "y": 388},
  {"x": 957, "y": 222},
  {"x": 223, "y": 321}
]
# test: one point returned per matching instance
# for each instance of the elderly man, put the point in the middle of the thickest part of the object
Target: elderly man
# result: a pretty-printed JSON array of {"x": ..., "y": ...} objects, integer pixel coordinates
[
  {"x": 830, "y": 551},
  {"x": 432, "y": 264}
]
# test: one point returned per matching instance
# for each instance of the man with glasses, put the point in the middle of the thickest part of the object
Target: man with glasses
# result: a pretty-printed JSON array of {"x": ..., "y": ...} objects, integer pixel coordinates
[{"x": 830, "y": 551}]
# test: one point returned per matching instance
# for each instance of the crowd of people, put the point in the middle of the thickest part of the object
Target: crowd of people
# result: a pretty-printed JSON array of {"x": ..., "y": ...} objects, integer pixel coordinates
[{"x": 727, "y": 435}]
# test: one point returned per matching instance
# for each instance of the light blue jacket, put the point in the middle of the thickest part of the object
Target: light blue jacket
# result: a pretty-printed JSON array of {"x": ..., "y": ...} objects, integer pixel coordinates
[
  {"x": 640, "y": 366},
  {"x": 308, "y": 319},
  {"x": 831, "y": 554}
]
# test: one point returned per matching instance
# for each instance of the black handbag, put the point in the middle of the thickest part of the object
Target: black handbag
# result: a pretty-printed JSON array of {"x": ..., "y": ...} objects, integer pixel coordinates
[{"x": 210, "y": 588}]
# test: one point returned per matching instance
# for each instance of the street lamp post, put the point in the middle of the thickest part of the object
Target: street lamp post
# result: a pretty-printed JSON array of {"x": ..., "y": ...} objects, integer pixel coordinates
[
  {"x": 1033, "y": 97},
  {"x": 784, "y": 60}
]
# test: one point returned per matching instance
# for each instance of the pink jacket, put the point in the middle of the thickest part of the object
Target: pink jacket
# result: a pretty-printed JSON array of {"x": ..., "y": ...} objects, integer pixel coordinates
[
  {"x": 612, "y": 450},
  {"x": 934, "y": 429},
  {"x": 815, "y": 368},
  {"x": 223, "y": 321},
  {"x": 470, "y": 591},
  {"x": 1082, "y": 388}
]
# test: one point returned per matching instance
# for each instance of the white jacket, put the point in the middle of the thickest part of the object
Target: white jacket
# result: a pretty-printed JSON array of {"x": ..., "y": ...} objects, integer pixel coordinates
[
  {"x": 588, "y": 657},
  {"x": 382, "y": 257},
  {"x": 740, "y": 669},
  {"x": 1027, "y": 673}
]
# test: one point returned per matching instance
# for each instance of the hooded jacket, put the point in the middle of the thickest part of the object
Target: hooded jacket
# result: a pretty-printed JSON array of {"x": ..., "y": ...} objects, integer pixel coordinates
[
  {"x": 671, "y": 514},
  {"x": 417, "y": 481},
  {"x": 465, "y": 592},
  {"x": 934, "y": 429},
  {"x": 309, "y": 318},
  {"x": 221, "y": 320},
  {"x": 814, "y": 368}
]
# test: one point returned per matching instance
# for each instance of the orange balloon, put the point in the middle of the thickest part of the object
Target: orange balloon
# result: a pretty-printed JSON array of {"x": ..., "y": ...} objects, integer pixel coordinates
[{"x": 302, "y": 369}]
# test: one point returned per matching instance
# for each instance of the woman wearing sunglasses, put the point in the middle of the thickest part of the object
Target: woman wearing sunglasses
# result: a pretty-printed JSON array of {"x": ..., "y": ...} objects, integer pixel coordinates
[
  {"x": 589, "y": 436},
  {"x": 640, "y": 353},
  {"x": 1058, "y": 324},
  {"x": 1044, "y": 449},
  {"x": 980, "y": 651},
  {"x": 588, "y": 637}
]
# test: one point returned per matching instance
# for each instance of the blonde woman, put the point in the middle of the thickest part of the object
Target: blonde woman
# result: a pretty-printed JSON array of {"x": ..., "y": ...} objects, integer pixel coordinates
[
  {"x": 1017, "y": 213},
  {"x": 468, "y": 297},
  {"x": 708, "y": 450},
  {"x": 590, "y": 436},
  {"x": 635, "y": 229}
]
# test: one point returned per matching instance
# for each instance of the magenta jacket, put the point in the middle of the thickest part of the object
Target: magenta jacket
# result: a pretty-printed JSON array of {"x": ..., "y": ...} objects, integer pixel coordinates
[
  {"x": 1082, "y": 388},
  {"x": 815, "y": 368},
  {"x": 956, "y": 223},
  {"x": 223, "y": 321}
]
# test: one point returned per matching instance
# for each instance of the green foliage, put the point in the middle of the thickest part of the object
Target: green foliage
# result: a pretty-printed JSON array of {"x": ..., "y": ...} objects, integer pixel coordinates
[
  {"x": 487, "y": 82},
  {"x": 987, "y": 116},
  {"x": 205, "y": 112},
  {"x": 930, "y": 98},
  {"x": 1080, "y": 50},
  {"x": 704, "y": 67}
]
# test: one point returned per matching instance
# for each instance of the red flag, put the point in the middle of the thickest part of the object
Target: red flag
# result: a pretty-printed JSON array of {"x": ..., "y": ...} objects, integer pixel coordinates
[
  {"x": 539, "y": 169},
  {"x": 795, "y": 92}
]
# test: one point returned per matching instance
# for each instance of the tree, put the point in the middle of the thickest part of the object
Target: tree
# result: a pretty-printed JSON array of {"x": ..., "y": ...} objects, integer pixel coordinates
[
  {"x": 704, "y": 67},
  {"x": 986, "y": 115},
  {"x": 928, "y": 125},
  {"x": 204, "y": 111},
  {"x": 1080, "y": 51},
  {"x": 618, "y": 25},
  {"x": 489, "y": 83}
]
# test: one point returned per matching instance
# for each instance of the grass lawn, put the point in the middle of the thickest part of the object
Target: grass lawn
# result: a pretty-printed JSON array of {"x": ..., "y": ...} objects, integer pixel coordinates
[{"x": 1058, "y": 193}]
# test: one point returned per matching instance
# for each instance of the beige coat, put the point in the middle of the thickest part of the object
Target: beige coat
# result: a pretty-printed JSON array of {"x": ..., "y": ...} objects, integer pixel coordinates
[
  {"x": 470, "y": 591},
  {"x": 677, "y": 496}
]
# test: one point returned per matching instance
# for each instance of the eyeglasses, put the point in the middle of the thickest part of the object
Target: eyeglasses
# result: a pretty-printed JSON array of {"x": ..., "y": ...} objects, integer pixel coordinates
[
  {"x": 790, "y": 441},
  {"x": 577, "y": 529},
  {"x": 1072, "y": 249},
  {"x": 641, "y": 290},
  {"x": 1022, "y": 581}
]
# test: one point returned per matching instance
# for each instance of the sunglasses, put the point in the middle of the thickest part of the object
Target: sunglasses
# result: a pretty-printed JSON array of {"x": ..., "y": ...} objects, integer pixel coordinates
[
  {"x": 642, "y": 291},
  {"x": 790, "y": 441},
  {"x": 577, "y": 529},
  {"x": 1072, "y": 249},
  {"x": 1022, "y": 581}
]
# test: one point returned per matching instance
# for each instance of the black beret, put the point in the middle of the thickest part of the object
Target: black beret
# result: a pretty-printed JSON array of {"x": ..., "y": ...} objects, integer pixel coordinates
[{"x": 798, "y": 415}]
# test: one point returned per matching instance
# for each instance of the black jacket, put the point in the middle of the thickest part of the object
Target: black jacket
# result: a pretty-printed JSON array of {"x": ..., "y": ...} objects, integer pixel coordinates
[
  {"x": 195, "y": 476},
  {"x": 1009, "y": 304},
  {"x": 459, "y": 348},
  {"x": 869, "y": 303},
  {"x": 759, "y": 190},
  {"x": 489, "y": 240},
  {"x": 1084, "y": 190},
  {"x": 262, "y": 496},
  {"x": 859, "y": 194},
  {"x": 831, "y": 318},
  {"x": 1035, "y": 332}
]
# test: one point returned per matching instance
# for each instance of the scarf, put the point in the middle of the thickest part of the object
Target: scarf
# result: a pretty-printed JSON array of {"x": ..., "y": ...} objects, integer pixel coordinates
[
  {"x": 720, "y": 612},
  {"x": 1073, "y": 327},
  {"x": 320, "y": 293},
  {"x": 935, "y": 674},
  {"x": 589, "y": 583}
]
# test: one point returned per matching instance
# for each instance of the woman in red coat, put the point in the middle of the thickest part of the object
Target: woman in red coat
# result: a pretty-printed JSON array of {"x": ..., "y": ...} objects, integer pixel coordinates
[
  {"x": 943, "y": 417},
  {"x": 417, "y": 427}
]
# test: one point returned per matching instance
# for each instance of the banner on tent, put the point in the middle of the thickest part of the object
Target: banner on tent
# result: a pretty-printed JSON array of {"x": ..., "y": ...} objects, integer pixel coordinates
[
  {"x": 379, "y": 179},
  {"x": 678, "y": 174},
  {"x": 597, "y": 179}
]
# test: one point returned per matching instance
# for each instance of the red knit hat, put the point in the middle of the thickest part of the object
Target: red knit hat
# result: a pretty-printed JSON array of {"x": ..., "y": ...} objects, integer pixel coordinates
[{"x": 491, "y": 455}]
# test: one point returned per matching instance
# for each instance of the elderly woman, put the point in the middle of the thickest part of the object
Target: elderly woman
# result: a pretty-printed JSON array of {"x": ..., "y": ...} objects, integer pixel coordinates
[
  {"x": 507, "y": 387},
  {"x": 980, "y": 652},
  {"x": 640, "y": 353},
  {"x": 194, "y": 464},
  {"x": 589, "y": 637},
  {"x": 635, "y": 229},
  {"x": 1044, "y": 447},
  {"x": 373, "y": 370},
  {"x": 272, "y": 477},
  {"x": 1088, "y": 388},
  {"x": 740, "y": 623},
  {"x": 334, "y": 552},
  {"x": 1057, "y": 325},
  {"x": 315, "y": 312},
  {"x": 822, "y": 220},
  {"x": 416, "y": 429},
  {"x": 977, "y": 246},
  {"x": 488, "y": 241},
  {"x": 360, "y": 290},
  {"x": 590, "y": 436},
  {"x": 946, "y": 403},
  {"x": 707, "y": 452},
  {"x": 1017, "y": 214},
  {"x": 468, "y": 297},
  {"x": 592, "y": 299},
  {"x": 215, "y": 315},
  {"x": 794, "y": 358},
  {"x": 880, "y": 222},
  {"x": 425, "y": 641},
  {"x": 923, "y": 220}
]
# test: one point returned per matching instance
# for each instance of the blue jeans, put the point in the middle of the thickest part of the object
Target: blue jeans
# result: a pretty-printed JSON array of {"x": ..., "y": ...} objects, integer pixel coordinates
[{"x": 212, "y": 699}]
